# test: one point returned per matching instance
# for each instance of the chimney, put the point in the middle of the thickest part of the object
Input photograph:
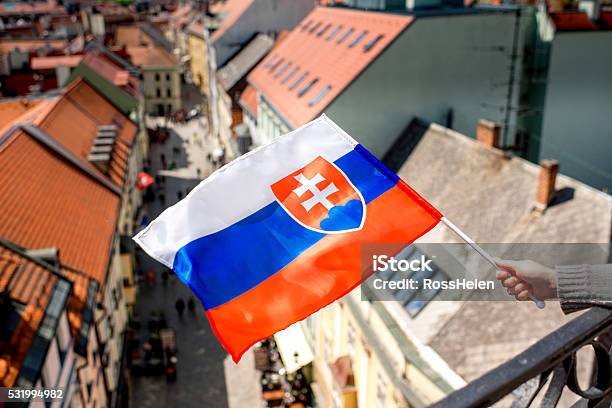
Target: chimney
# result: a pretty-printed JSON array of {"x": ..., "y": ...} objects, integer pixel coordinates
[
  {"x": 546, "y": 183},
  {"x": 487, "y": 133}
]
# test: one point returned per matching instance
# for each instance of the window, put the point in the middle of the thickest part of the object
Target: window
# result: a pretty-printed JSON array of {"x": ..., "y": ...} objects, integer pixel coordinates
[
  {"x": 323, "y": 30},
  {"x": 157, "y": 77},
  {"x": 320, "y": 95},
  {"x": 305, "y": 89},
  {"x": 276, "y": 64},
  {"x": 305, "y": 26},
  {"x": 168, "y": 77},
  {"x": 414, "y": 306},
  {"x": 372, "y": 43},
  {"x": 158, "y": 92},
  {"x": 290, "y": 74},
  {"x": 351, "y": 340},
  {"x": 12, "y": 318},
  {"x": 314, "y": 27},
  {"x": 381, "y": 391},
  {"x": 297, "y": 81},
  {"x": 414, "y": 300},
  {"x": 345, "y": 35},
  {"x": 357, "y": 39},
  {"x": 168, "y": 93},
  {"x": 327, "y": 350},
  {"x": 271, "y": 61},
  {"x": 283, "y": 69},
  {"x": 334, "y": 32}
]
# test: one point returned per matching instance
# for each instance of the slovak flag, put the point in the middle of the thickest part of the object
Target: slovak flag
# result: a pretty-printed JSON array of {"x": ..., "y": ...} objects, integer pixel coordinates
[{"x": 275, "y": 235}]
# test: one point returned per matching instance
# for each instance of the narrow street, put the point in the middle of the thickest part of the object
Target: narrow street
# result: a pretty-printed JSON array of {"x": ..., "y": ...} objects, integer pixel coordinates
[{"x": 200, "y": 381}]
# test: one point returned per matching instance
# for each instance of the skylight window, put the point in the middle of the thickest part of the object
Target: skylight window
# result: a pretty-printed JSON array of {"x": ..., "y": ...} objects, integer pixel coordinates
[
  {"x": 283, "y": 69},
  {"x": 320, "y": 95},
  {"x": 290, "y": 74},
  {"x": 372, "y": 43},
  {"x": 357, "y": 39},
  {"x": 276, "y": 64},
  {"x": 345, "y": 35},
  {"x": 334, "y": 32},
  {"x": 297, "y": 81},
  {"x": 323, "y": 30},
  {"x": 307, "y": 87},
  {"x": 305, "y": 26},
  {"x": 315, "y": 27},
  {"x": 270, "y": 62}
]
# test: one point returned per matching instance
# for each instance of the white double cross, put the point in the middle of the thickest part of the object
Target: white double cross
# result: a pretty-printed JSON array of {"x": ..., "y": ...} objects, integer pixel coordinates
[{"x": 318, "y": 196}]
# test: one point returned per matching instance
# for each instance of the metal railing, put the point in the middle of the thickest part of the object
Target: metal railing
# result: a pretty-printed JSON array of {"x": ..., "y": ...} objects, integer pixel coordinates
[{"x": 551, "y": 364}]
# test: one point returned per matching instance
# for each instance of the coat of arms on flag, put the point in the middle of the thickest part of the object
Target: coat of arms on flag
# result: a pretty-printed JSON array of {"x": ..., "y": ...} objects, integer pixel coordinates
[
  {"x": 276, "y": 235},
  {"x": 322, "y": 198}
]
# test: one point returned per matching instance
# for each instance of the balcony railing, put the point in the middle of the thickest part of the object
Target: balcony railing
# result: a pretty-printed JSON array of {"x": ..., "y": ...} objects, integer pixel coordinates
[{"x": 545, "y": 369}]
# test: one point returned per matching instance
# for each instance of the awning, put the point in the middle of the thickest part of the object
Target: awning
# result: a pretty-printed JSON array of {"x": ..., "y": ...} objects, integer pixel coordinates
[{"x": 293, "y": 347}]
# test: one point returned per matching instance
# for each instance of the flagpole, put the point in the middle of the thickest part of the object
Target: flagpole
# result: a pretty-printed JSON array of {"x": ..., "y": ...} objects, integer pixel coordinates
[{"x": 539, "y": 303}]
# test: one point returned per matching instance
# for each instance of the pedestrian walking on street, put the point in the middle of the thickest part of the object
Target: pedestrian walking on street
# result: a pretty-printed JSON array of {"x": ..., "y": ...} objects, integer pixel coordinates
[
  {"x": 199, "y": 172},
  {"x": 162, "y": 198},
  {"x": 179, "y": 195},
  {"x": 164, "y": 277},
  {"x": 180, "y": 307},
  {"x": 191, "y": 304}
]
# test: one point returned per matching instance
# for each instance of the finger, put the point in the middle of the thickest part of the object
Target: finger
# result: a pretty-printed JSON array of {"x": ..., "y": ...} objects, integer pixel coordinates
[
  {"x": 502, "y": 275},
  {"x": 523, "y": 295},
  {"x": 507, "y": 268},
  {"x": 510, "y": 282},
  {"x": 521, "y": 286}
]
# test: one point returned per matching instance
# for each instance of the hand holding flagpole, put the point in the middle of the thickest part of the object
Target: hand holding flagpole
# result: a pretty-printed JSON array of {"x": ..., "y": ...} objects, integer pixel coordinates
[{"x": 539, "y": 303}]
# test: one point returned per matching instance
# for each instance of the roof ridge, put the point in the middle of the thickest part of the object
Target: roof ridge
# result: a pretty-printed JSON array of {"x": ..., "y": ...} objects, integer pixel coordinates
[
  {"x": 21, "y": 251},
  {"x": 528, "y": 165}
]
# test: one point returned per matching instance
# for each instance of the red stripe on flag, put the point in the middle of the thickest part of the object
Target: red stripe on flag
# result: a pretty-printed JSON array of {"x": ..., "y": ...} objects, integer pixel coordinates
[{"x": 323, "y": 273}]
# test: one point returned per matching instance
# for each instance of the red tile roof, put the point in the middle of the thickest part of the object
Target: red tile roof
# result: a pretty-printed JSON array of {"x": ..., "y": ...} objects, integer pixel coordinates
[
  {"x": 107, "y": 69},
  {"x": 73, "y": 122},
  {"x": 332, "y": 65},
  {"x": 31, "y": 284},
  {"x": 55, "y": 61},
  {"x": 13, "y": 8},
  {"x": 230, "y": 10},
  {"x": 572, "y": 20},
  {"x": 248, "y": 99},
  {"x": 132, "y": 35},
  {"x": 11, "y": 109},
  {"x": 77, "y": 302},
  {"x": 49, "y": 202},
  {"x": 150, "y": 56},
  {"x": 30, "y": 45}
]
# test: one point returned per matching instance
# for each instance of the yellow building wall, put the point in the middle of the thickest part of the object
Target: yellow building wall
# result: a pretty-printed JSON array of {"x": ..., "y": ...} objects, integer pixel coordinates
[
  {"x": 340, "y": 334},
  {"x": 199, "y": 62}
]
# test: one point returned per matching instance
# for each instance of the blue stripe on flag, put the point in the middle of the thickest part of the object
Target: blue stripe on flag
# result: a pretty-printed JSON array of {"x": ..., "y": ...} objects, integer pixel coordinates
[{"x": 223, "y": 265}]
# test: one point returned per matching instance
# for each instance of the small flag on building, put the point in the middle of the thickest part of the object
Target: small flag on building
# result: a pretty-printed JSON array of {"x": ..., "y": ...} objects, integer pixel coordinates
[
  {"x": 276, "y": 235},
  {"x": 143, "y": 180}
]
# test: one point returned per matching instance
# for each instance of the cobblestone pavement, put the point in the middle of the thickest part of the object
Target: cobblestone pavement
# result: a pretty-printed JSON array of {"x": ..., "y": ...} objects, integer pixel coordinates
[{"x": 201, "y": 381}]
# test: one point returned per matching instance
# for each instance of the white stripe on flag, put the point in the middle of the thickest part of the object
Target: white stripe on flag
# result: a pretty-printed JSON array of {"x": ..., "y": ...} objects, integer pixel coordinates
[{"x": 240, "y": 188}]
